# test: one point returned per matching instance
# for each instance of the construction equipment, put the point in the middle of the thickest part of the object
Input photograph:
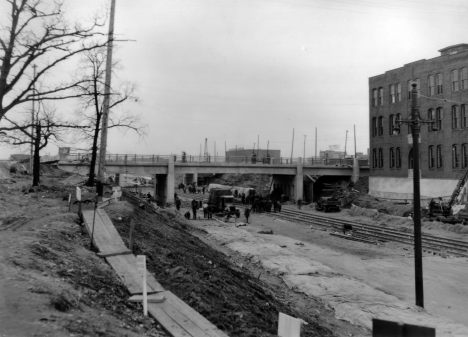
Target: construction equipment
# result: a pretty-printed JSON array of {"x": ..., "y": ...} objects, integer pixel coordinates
[
  {"x": 221, "y": 200},
  {"x": 327, "y": 204},
  {"x": 443, "y": 211}
]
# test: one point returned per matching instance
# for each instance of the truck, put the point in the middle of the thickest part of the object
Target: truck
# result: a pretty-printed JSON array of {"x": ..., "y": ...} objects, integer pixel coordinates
[
  {"x": 327, "y": 204},
  {"x": 219, "y": 199}
]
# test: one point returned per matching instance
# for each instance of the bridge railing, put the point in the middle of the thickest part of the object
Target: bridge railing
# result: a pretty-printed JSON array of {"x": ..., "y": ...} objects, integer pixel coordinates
[{"x": 164, "y": 159}]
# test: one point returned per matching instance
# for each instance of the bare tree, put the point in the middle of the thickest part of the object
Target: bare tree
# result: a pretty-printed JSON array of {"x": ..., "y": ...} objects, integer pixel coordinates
[
  {"x": 48, "y": 127},
  {"x": 36, "y": 32},
  {"x": 91, "y": 76}
]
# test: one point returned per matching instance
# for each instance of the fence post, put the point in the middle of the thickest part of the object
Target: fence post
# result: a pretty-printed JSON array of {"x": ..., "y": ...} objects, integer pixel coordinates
[
  {"x": 153, "y": 159},
  {"x": 135, "y": 158},
  {"x": 125, "y": 159}
]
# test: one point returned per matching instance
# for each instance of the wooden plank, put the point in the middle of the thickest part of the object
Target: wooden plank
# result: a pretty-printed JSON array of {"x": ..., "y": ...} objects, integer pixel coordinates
[
  {"x": 101, "y": 237},
  {"x": 186, "y": 322},
  {"x": 205, "y": 325},
  {"x": 154, "y": 298},
  {"x": 105, "y": 202},
  {"x": 166, "y": 321},
  {"x": 106, "y": 237},
  {"x": 153, "y": 285},
  {"x": 115, "y": 253},
  {"x": 125, "y": 267}
]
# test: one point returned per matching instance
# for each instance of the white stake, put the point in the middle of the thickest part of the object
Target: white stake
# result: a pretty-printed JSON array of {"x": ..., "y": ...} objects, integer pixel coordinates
[{"x": 141, "y": 266}]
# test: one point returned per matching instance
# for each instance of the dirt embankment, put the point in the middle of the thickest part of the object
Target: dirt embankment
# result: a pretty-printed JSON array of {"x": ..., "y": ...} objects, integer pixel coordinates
[
  {"x": 51, "y": 284},
  {"x": 223, "y": 292}
]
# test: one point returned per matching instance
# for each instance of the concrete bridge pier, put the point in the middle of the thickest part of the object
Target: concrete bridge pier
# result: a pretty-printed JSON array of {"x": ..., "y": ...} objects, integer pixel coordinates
[
  {"x": 164, "y": 185},
  {"x": 355, "y": 176},
  {"x": 299, "y": 181},
  {"x": 190, "y": 178}
]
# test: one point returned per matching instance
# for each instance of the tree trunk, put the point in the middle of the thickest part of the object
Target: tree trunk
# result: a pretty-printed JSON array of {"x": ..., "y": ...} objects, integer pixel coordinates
[
  {"x": 92, "y": 165},
  {"x": 37, "y": 161}
]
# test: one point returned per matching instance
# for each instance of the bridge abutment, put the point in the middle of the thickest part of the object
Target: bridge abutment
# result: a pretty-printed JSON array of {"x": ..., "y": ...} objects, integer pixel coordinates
[
  {"x": 164, "y": 185},
  {"x": 299, "y": 181},
  {"x": 355, "y": 176},
  {"x": 190, "y": 178}
]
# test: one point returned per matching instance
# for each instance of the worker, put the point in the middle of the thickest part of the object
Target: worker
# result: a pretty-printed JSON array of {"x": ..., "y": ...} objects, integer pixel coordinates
[
  {"x": 194, "y": 209},
  {"x": 205, "y": 210},
  {"x": 209, "y": 210},
  {"x": 247, "y": 214},
  {"x": 177, "y": 203},
  {"x": 278, "y": 206},
  {"x": 299, "y": 203},
  {"x": 203, "y": 189},
  {"x": 243, "y": 198}
]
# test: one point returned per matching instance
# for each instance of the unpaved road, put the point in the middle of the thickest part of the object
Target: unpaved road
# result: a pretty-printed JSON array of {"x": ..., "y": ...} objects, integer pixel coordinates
[{"x": 388, "y": 267}]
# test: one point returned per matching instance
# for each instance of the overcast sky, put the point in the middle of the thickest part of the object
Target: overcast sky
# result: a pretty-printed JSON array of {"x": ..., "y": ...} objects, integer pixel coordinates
[{"x": 232, "y": 70}]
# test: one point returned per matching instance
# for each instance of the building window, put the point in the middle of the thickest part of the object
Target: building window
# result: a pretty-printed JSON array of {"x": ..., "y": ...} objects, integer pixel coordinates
[
  {"x": 380, "y": 126},
  {"x": 439, "y": 84},
  {"x": 381, "y": 159},
  {"x": 431, "y": 157},
  {"x": 397, "y": 118},
  {"x": 440, "y": 161},
  {"x": 464, "y": 117},
  {"x": 464, "y": 156},
  {"x": 454, "y": 117},
  {"x": 431, "y": 117},
  {"x": 392, "y": 94},
  {"x": 455, "y": 80},
  {"x": 374, "y": 97},
  {"x": 439, "y": 118},
  {"x": 374, "y": 158},
  {"x": 398, "y": 91},
  {"x": 374, "y": 126},
  {"x": 430, "y": 82},
  {"x": 410, "y": 160},
  {"x": 391, "y": 123},
  {"x": 464, "y": 78},
  {"x": 392, "y": 157},
  {"x": 455, "y": 157},
  {"x": 380, "y": 96},
  {"x": 398, "y": 157}
]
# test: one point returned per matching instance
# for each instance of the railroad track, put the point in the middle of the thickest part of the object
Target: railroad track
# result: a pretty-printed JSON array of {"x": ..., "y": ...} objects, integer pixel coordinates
[{"x": 364, "y": 232}]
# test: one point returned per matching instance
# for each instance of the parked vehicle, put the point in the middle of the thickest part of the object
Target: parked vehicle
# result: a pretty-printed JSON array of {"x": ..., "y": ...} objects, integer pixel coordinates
[
  {"x": 327, "y": 204},
  {"x": 219, "y": 199}
]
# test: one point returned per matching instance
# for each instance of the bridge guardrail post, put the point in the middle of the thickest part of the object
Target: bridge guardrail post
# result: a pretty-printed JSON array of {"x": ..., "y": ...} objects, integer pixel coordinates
[
  {"x": 153, "y": 159},
  {"x": 125, "y": 159}
]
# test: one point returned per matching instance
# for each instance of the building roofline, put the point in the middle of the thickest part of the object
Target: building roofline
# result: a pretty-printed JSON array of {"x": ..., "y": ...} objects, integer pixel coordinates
[{"x": 455, "y": 45}]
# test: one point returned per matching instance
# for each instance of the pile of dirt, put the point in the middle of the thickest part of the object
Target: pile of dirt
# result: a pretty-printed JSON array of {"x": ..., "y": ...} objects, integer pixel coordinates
[
  {"x": 51, "y": 284},
  {"x": 223, "y": 292},
  {"x": 257, "y": 181},
  {"x": 5, "y": 170},
  {"x": 382, "y": 206}
]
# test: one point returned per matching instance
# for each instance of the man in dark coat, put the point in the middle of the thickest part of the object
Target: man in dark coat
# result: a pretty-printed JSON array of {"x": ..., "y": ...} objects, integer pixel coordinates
[
  {"x": 178, "y": 203},
  {"x": 194, "y": 209},
  {"x": 247, "y": 214}
]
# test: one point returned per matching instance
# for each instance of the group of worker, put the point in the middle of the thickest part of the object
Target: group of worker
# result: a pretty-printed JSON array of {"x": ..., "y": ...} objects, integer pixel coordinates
[{"x": 192, "y": 188}]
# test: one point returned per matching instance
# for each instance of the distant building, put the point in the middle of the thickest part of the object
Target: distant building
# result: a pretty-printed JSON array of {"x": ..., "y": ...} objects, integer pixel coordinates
[
  {"x": 239, "y": 154},
  {"x": 19, "y": 157},
  {"x": 443, "y": 86},
  {"x": 331, "y": 154}
]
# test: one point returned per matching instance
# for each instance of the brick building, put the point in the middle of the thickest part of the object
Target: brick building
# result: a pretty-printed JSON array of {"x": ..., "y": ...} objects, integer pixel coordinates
[{"x": 442, "y": 83}]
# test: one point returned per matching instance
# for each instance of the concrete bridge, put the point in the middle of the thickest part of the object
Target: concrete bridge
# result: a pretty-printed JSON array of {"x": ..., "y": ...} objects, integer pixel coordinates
[{"x": 286, "y": 173}]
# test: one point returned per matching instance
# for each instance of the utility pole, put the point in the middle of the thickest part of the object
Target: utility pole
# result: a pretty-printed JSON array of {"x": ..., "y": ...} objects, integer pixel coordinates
[
  {"x": 225, "y": 149},
  {"x": 258, "y": 143},
  {"x": 345, "y": 143},
  {"x": 105, "y": 109},
  {"x": 292, "y": 146},
  {"x": 415, "y": 122},
  {"x": 315, "y": 143},
  {"x": 304, "y": 147},
  {"x": 215, "y": 155},
  {"x": 415, "y": 126},
  {"x": 32, "y": 122},
  {"x": 206, "y": 154},
  {"x": 355, "y": 153}
]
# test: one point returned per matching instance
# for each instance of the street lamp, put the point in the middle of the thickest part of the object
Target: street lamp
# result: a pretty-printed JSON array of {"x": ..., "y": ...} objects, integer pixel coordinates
[{"x": 415, "y": 121}]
